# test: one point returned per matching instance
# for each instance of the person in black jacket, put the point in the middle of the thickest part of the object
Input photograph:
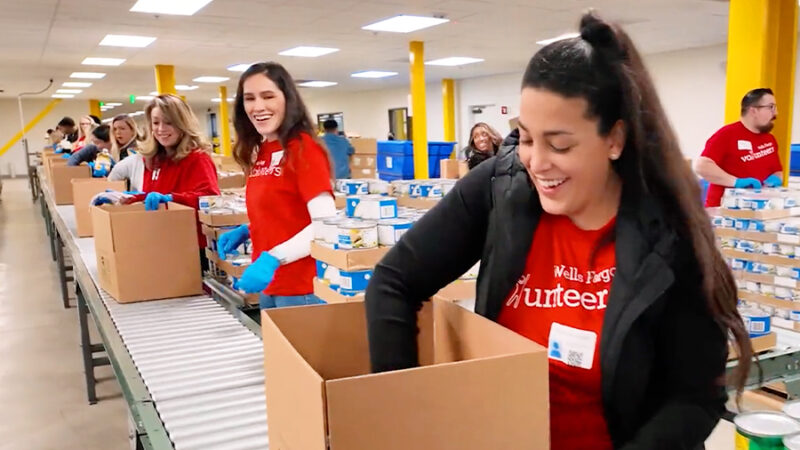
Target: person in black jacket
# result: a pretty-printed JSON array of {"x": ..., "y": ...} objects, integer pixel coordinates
[
  {"x": 593, "y": 243},
  {"x": 99, "y": 141}
]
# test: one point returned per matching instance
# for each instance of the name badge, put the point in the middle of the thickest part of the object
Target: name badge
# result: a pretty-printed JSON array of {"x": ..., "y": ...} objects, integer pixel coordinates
[
  {"x": 276, "y": 158},
  {"x": 745, "y": 145},
  {"x": 571, "y": 346}
]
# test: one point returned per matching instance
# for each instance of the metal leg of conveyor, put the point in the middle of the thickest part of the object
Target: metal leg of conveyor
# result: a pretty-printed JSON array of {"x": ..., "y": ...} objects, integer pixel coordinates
[
  {"x": 87, "y": 348},
  {"x": 62, "y": 270}
]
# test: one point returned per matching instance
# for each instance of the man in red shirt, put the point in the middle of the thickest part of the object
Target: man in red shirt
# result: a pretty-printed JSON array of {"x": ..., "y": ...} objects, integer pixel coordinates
[{"x": 743, "y": 154}]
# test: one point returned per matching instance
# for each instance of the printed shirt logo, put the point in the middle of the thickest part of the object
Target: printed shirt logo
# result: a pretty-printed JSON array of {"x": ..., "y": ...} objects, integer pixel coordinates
[
  {"x": 762, "y": 150},
  {"x": 559, "y": 297},
  {"x": 260, "y": 168}
]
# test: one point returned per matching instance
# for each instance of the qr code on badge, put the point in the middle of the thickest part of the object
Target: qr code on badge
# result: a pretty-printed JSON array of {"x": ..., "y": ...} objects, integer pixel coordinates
[{"x": 574, "y": 359}]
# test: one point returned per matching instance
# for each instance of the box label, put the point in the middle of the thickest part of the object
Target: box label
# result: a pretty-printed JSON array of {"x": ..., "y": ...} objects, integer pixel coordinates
[{"x": 388, "y": 162}]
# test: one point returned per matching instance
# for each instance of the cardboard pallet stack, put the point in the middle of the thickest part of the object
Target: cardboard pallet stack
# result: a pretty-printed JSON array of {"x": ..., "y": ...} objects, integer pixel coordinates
[
  {"x": 759, "y": 234},
  {"x": 363, "y": 164}
]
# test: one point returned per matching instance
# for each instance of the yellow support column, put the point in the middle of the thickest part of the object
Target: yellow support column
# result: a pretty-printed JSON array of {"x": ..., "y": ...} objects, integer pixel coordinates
[
  {"x": 225, "y": 131},
  {"x": 449, "y": 111},
  {"x": 94, "y": 108},
  {"x": 165, "y": 79},
  {"x": 419, "y": 123},
  {"x": 762, "y": 49},
  {"x": 41, "y": 115}
]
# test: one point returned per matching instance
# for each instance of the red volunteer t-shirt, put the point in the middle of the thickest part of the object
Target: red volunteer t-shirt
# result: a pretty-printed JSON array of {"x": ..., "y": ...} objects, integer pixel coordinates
[
  {"x": 559, "y": 302},
  {"x": 743, "y": 154},
  {"x": 187, "y": 180},
  {"x": 279, "y": 188}
]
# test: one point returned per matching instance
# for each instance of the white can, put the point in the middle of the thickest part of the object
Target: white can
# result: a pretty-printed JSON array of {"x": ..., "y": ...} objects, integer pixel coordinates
[
  {"x": 356, "y": 234},
  {"x": 373, "y": 207},
  {"x": 378, "y": 187},
  {"x": 391, "y": 230},
  {"x": 330, "y": 230},
  {"x": 319, "y": 227}
]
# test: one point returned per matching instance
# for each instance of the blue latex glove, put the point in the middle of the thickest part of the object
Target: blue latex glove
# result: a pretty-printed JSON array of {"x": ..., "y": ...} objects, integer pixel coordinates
[
  {"x": 58, "y": 150},
  {"x": 747, "y": 183},
  {"x": 98, "y": 171},
  {"x": 230, "y": 241},
  {"x": 154, "y": 199},
  {"x": 258, "y": 275},
  {"x": 773, "y": 181},
  {"x": 65, "y": 156},
  {"x": 102, "y": 201}
]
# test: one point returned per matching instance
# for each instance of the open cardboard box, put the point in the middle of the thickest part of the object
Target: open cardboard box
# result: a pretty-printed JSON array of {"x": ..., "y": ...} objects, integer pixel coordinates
[
  {"x": 83, "y": 190},
  {"x": 458, "y": 290},
  {"x": 348, "y": 260},
  {"x": 225, "y": 266},
  {"x": 61, "y": 176},
  {"x": 463, "y": 169},
  {"x": 479, "y": 385},
  {"x": 448, "y": 168},
  {"x": 324, "y": 292},
  {"x": 230, "y": 180},
  {"x": 147, "y": 255},
  {"x": 418, "y": 203}
]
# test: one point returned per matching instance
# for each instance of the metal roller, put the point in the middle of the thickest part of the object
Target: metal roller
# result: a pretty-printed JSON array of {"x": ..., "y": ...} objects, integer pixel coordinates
[
  {"x": 247, "y": 443},
  {"x": 152, "y": 319},
  {"x": 211, "y": 386},
  {"x": 237, "y": 335},
  {"x": 247, "y": 410},
  {"x": 226, "y": 346},
  {"x": 170, "y": 414},
  {"x": 228, "y": 328},
  {"x": 207, "y": 365},
  {"x": 203, "y": 384},
  {"x": 192, "y": 362},
  {"x": 209, "y": 433},
  {"x": 167, "y": 332},
  {"x": 205, "y": 373},
  {"x": 177, "y": 325},
  {"x": 178, "y": 404}
]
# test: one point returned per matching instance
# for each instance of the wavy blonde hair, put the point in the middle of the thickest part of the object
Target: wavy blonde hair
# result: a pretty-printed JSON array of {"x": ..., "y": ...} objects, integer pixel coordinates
[
  {"x": 137, "y": 134},
  {"x": 180, "y": 116},
  {"x": 80, "y": 128}
]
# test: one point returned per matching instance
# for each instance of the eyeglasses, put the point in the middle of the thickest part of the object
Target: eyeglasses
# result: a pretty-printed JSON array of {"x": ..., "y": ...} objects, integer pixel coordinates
[{"x": 771, "y": 106}]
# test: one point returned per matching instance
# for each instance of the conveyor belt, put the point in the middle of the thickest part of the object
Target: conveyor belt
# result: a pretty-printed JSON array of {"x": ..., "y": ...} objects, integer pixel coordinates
[{"x": 190, "y": 368}]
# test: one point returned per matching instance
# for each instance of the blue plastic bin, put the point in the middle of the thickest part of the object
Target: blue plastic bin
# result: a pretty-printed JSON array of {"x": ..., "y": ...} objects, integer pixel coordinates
[
  {"x": 794, "y": 160},
  {"x": 396, "y": 158}
]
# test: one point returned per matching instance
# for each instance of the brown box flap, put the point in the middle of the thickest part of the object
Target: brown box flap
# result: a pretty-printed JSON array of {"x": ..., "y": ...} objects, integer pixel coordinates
[
  {"x": 349, "y": 260},
  {"x": 222, "y": 220},
  {"x": 324, "y": 292}
]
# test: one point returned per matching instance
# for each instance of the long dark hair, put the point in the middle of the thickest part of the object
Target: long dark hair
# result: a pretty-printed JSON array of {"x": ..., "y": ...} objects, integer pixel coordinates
[
  {"x": 603, "y": 67},
  {"x": 296, "y": 119}
]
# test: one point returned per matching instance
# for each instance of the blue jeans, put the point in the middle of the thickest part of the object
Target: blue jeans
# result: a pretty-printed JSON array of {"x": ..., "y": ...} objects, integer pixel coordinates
[{"x": 281, "y": 301}]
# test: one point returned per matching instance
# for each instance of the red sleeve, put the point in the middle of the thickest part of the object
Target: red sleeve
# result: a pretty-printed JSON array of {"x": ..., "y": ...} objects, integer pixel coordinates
[
  {"x": 200, "y": 179},
  {"x": 716, "y": 147},
  {"x": 775, "y": 159},
  {"x": 313, "y": 170}
]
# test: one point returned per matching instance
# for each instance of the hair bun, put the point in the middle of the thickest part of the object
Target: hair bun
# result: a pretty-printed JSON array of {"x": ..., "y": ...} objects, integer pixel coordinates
[{"x": 601, "y": 36}]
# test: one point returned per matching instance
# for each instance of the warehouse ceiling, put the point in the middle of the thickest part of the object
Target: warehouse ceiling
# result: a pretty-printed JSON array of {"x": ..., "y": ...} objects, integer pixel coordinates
[{"x": 40, "y": 39}]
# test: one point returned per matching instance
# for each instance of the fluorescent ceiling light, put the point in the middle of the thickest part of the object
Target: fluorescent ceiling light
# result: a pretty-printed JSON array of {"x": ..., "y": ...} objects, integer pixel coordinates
[
  {"x": 453, "y": 61},
  {"x": 102, "y": 61},
  {"x": 144, "y": 97},
  {"x": 318, "y": 84},
  {"x": 216, "y": 100},
  {"x": 153, "y": 94},
  {"x": 373, "y": 74},
  {"x": 207, "y": 79},
  {"x": 239, "y": 67},
  {"x": 308, "y": 52},
  {"x": 74, "y": 84},
  {"x": 62, "y": 96},
  {"x": 558, "y": 38},
  {"x": 123, "y": 40},
  {"x": 185, "y": 87},
  {"x": 69, "y": 91},
  {"x": 87, "y": 75},
  {"x": 174, "y": 7},
  {"x": 113, "y": 104},
  {"x": 404, "y": 24}
]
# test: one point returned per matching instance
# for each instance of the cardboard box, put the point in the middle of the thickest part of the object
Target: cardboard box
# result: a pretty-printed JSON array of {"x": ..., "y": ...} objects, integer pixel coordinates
[
  {"x": 365, "y": 146},
  {"x": 49, "y": 161},
  {"x": 349, "y": 260},
  {"x": 418, "y": 203},
  {"x": 147, "y": 255},
  {"x": 225, "y": 163},
  {"x": 225, "y": 266},
  {"x": 363, "y": 161},
  {"x": 222, "y": 220},
  {"x": 214, "y": 232},
  {"x": 340, "y": 200},
  {"x": 463, "y": 169},
  {"x": 764, "y": 214},
  {"x": 760, "y": 344},
  {"x": 83, "y": 190},
  {"x": 449, "y": 169},
  {"x": 358, "y": 172},
  {"x": 231, "y": 181},
  {"x": 325, "y": 292},
  {"x": 479, "y": 385},
  {"x": 458, "y": 290},
  {"x": 61, "y": 177}
]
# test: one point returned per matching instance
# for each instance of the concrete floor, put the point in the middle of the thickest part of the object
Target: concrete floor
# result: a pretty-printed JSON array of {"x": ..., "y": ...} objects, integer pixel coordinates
[{"x": 42, "y": 387}]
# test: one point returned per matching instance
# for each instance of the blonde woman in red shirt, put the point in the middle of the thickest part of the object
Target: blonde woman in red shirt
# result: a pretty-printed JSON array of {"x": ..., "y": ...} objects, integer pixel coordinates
[
  {"x": 594, "y": 244},
  {"x": 288, "y": 184}
]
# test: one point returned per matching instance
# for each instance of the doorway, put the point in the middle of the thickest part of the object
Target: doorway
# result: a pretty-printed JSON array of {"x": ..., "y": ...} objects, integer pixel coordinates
[{"x": 399, "y": 124}]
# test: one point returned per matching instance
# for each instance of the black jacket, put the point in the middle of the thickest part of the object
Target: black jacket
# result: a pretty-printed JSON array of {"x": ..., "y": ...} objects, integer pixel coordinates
[{"x": 662, "y": 355}]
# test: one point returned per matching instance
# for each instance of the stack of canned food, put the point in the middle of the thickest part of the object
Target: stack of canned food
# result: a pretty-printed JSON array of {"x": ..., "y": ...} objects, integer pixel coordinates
[
  {"x": 762, "y": 199},
  {"x": 761, "y": 430},
  {"x": 353, "y": 233},
  {"x": 227, "y": 203},
  {"x": 757, "y": 321},
  {"x": 434, "y": 188}
]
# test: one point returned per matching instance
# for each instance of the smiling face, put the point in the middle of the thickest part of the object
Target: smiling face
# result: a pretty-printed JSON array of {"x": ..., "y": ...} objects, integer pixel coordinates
[
  {"x": 567, "y": 159},
  {"x": 481, "y": 139},
  {"x": 264, "y": 104},
  {"x": 123, "y": 133},
  {"x": 163, "y": 130}
]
